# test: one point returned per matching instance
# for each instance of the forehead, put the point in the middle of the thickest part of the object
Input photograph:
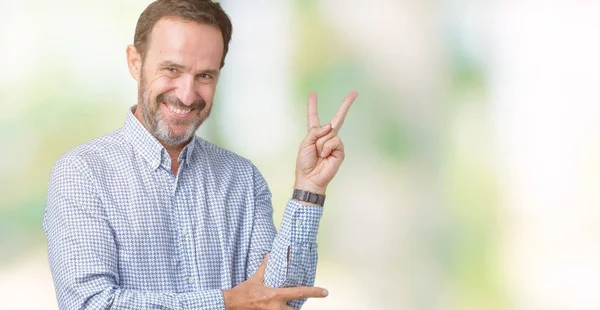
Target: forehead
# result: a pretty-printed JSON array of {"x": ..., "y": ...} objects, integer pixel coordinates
[{"x": 187, "y": 42}]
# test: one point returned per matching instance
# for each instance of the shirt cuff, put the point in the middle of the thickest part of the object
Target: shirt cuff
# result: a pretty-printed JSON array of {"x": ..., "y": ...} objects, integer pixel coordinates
[
  {"x": 303, "y": 221},
  {"x": 204, "y": 300}
]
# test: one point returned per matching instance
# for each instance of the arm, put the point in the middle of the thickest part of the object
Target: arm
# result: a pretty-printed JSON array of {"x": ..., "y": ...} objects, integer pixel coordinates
[
  {"x": 83, "y": 254},
  {"x": 293, "y": 251},
  {"x": 293, "y": 258}
]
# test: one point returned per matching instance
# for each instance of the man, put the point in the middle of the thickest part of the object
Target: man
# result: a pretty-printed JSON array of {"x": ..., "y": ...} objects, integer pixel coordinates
[{"x": 153, "y": 217}]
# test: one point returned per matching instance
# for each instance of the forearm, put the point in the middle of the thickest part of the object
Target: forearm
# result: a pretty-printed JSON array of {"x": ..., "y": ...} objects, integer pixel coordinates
[
  {"x": 115, "y": 298},
  {"x": 86, "y": 276},
  {"x": 293, "y": 257}
]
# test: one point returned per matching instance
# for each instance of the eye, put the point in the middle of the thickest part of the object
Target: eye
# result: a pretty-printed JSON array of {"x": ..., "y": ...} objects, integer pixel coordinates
[
  {"x": 205, "y": 78},
  {"x": 170, "y": 71}
]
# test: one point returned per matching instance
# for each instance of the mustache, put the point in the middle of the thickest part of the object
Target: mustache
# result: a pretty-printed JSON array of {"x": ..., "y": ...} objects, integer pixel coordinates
[{"x": 173, "y": 100}]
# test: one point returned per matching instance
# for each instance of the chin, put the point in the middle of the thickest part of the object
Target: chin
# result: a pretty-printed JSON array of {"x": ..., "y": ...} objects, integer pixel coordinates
[{"x": 168, "y": 136}]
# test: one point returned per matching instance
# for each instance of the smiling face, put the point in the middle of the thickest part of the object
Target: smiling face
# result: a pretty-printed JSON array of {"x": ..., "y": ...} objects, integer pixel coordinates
[{"x": 177, "y": 79}]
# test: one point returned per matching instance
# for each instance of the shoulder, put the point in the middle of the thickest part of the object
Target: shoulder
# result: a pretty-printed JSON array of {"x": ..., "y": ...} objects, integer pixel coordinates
[
  {"x": 95, "y": 152},
  {"x": 226, "y": 162},
  {"x": 220, "y": 155},
  {"x": 229, "y": 166}
]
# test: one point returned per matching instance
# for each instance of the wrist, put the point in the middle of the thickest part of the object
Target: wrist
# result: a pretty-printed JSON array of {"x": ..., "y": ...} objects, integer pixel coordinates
[
  {"x": 228, "y": 300},
  {"x": 309, "y": 187}
]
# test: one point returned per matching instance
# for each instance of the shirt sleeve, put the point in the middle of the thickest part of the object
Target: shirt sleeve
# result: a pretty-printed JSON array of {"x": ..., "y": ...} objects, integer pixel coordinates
[
  {"x": 293, "y": 251},
  {"x": 83, "y": 253}
]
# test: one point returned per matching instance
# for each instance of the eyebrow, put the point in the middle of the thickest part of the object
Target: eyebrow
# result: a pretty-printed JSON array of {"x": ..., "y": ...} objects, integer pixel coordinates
[{"x": 169, "y": 63}]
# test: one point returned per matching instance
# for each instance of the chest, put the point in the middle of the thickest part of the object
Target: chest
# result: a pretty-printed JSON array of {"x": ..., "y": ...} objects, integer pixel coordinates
[{"x": 178, "y": 232}]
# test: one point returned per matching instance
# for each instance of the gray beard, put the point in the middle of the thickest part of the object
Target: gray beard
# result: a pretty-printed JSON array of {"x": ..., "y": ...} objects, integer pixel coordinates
[
  {"x": 159, "y": 128},
  {"x": 163, "y": 134}
]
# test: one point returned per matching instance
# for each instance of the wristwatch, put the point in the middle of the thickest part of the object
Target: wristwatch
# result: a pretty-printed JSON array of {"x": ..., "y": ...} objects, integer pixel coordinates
[{"x": 308, "y": 197}]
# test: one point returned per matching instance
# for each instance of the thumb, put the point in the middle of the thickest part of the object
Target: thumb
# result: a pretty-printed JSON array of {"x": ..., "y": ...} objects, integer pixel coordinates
[
  {"x": 315, "y": 133},
  {"x": 260, "y": 272}
]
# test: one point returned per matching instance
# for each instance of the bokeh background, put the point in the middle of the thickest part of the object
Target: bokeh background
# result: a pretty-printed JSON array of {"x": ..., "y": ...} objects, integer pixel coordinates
[{"x": 473, "y": 151}]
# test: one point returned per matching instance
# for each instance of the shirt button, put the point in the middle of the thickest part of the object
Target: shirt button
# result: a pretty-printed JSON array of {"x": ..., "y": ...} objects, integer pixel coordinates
[
  {"x": 191, "y": 280},
  {"x": 298, "y": 223}
]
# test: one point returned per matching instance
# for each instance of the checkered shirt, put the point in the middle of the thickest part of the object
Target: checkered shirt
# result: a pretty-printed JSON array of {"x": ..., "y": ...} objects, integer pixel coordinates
[{"x": 125, "y": 233}]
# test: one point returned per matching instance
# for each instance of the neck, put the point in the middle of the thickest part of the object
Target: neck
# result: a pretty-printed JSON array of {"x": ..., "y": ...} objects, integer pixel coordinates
[{"x": 173, "y": 151}]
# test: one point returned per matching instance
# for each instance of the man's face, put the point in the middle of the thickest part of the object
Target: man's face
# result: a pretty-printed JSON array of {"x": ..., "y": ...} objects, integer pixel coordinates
[{"x": 178, "y": 79}]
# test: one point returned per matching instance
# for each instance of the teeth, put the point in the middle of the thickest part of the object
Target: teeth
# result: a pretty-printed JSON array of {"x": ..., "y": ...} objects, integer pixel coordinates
[{"x": 178, "y": 111}]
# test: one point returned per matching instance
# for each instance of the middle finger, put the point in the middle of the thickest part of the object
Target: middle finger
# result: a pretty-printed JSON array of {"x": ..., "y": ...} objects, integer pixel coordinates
[{"x": 338, "y": 119}]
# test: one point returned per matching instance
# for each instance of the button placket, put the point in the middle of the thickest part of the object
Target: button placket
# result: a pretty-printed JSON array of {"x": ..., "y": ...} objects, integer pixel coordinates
[{"x": 185, "y": 261}]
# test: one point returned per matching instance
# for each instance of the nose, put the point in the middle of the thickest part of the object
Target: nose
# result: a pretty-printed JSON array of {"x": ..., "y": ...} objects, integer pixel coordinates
[{"x": 186, "y": 91}]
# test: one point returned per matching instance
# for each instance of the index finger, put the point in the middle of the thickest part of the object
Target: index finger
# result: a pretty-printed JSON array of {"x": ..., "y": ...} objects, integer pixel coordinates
[
  {"x": 299, "y": 292},
  {"x": 260, "y": 272},
  {"x": 313, "y": 112},
  {"x": 338, "y": 119}
]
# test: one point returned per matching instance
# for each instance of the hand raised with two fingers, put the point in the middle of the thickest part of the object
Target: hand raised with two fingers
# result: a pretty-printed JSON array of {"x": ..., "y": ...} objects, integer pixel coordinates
[{"x": 321, "y": 152}]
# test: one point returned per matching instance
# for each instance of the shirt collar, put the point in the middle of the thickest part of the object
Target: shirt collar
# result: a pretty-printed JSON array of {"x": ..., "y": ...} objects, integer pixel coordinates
[
  {"x": 148, "y": 146},
  {"x": 188, "y": 150}
]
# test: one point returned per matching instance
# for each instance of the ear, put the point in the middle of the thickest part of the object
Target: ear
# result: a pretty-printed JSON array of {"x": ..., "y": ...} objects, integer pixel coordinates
[{"x": 134, "y": 61}]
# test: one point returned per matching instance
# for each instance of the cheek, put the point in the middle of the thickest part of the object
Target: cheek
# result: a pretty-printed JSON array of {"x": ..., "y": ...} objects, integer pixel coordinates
[
  {"x": 207, "y": 92},
  {"x": 157, "y": 88}
]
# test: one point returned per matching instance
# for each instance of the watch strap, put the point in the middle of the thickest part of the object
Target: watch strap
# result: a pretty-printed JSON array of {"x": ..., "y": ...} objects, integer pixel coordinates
[{"x": 307, "y": 196}]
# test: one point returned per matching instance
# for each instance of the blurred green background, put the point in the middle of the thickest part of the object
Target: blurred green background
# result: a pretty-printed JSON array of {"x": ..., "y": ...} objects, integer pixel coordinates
[{"x": 472, "y": 150}]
